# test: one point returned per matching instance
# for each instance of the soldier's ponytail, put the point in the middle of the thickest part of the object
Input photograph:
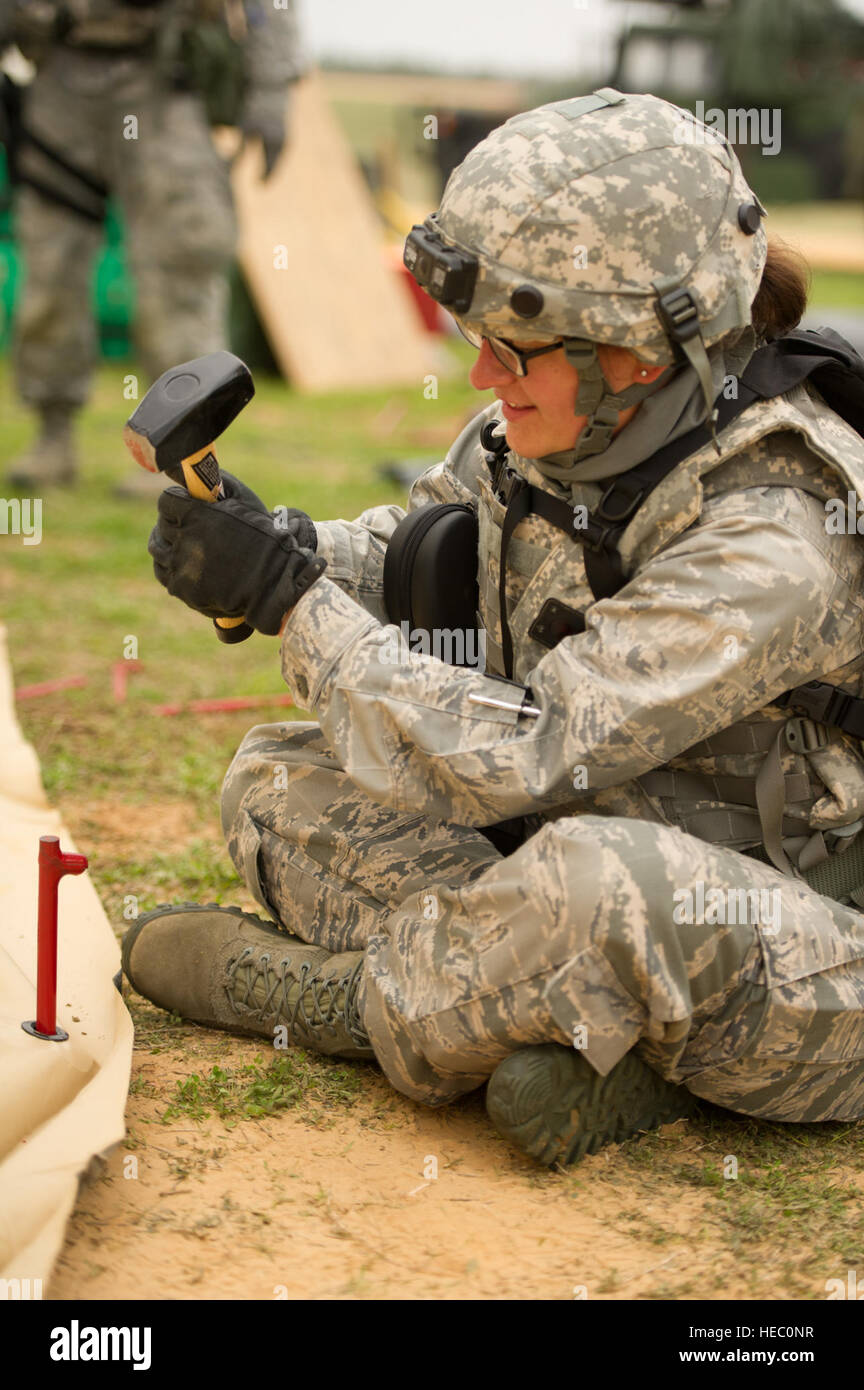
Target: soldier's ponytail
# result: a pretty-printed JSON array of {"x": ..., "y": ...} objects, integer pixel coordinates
[{"x": 782, "y": 294}]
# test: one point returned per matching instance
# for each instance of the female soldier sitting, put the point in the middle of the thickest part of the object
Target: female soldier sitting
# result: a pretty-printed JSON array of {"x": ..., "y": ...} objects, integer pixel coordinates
[{"x": 656, "y": 933}]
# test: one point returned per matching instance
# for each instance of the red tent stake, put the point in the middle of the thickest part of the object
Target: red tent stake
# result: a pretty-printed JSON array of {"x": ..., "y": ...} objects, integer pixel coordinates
[
  {"x": 227, "y": 705},
  {"x": 120, "y": 673},
  {"x": 30, "y": 692},
  {"x": 53, "y": 864}
]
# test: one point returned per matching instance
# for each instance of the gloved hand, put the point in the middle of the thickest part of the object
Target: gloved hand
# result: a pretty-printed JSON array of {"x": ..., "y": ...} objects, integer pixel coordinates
[
  {"x": 230, "y": 559},
  {"x": 265, "y": 117},
  {"x": 287, "y": 520},
  {"x": 233, "y": 487}
]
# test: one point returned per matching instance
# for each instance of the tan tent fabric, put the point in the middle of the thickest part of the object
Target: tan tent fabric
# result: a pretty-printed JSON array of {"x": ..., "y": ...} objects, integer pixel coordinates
[{"x": 60, "y": 1103}]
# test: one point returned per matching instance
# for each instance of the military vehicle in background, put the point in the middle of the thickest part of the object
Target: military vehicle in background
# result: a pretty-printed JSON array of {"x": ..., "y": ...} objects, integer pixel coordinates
[{"x": 804, "y": 58}]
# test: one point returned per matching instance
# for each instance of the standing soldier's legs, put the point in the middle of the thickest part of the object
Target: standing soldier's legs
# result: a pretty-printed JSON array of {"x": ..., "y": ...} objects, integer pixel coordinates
[
  {"x": 55, "y": 337},
  {"x": 175, "y": 195}
]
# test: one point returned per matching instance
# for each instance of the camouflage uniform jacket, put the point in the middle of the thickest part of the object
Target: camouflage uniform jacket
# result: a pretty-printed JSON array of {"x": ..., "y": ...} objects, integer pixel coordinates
[{"x": 738, "y": 590}]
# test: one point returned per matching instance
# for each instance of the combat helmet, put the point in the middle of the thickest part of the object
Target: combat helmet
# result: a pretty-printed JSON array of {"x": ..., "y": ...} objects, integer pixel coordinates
[{"x": 609, "y": 218}]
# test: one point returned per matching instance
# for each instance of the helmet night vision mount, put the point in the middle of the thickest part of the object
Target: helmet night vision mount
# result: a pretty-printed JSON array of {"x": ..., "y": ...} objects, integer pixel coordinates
[{"x": 445, "y": 273}]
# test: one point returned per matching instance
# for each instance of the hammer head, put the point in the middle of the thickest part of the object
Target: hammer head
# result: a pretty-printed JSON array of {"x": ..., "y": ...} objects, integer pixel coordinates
[{"x": 186, "y": 409}]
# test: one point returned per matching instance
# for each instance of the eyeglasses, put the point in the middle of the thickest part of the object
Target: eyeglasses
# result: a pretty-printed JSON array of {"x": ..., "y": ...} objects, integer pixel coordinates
[{"x": 514, "y": 359}]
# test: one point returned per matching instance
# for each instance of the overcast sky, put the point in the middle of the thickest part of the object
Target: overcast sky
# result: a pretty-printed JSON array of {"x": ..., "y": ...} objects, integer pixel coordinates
[{"x": 511, "y": 37}]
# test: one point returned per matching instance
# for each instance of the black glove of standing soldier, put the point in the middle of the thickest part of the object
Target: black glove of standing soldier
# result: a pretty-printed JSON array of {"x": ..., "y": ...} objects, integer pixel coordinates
[
  {"x": 232, "y": 558},
  {"x": 265, "y": 118}
]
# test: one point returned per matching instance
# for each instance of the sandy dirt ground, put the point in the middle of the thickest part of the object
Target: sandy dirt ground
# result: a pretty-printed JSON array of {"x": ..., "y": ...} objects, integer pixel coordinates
[{"x": 339, "y": 1208}]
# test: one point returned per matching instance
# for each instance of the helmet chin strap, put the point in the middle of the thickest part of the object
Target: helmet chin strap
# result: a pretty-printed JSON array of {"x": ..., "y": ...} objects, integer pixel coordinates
[{"x": 596, "y": 399}]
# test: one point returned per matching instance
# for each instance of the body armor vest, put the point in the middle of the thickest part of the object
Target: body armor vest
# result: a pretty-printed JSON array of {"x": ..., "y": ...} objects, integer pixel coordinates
[{"x": 792, "y": 788}]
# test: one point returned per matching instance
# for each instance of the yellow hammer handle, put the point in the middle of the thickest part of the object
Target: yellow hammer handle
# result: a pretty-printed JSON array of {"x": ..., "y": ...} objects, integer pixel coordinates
[{"x": 198, "y": 470}]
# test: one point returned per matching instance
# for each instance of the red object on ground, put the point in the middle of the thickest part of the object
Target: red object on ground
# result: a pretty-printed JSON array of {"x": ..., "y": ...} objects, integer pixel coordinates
[
  {"x": 120, "y": 672},
  {"x": 30, "y": 692},
  {"x": 222, "y": 706},
  {"x": 53, "y": 865}
]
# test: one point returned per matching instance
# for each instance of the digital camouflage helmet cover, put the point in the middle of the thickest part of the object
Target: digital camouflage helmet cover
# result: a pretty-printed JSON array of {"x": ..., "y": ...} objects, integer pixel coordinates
[{"x": 611, "y": 218}]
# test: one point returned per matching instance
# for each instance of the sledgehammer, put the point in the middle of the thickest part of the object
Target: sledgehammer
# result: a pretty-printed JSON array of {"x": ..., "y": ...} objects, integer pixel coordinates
[{"x": 173, "y": 429}]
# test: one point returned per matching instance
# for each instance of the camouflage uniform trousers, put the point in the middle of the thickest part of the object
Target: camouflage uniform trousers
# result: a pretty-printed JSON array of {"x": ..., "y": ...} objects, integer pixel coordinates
[
  {"x": 173, "y": 191},
  {"x": 570, "y": 939}
]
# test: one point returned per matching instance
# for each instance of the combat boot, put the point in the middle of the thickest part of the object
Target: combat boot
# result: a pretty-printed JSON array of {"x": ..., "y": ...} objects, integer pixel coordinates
[
  {"x": 52, "y": 461},
  {"x": 229, "y": 969},
  {"x": 551, "y": 1103}
]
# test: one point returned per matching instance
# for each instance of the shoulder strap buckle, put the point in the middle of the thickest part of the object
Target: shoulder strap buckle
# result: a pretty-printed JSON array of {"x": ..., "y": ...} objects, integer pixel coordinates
[
  {"x": 509, "y": 484},
  {"x": 820, "y": 702},
  {"x": 622, "y": 498},
  {"x": 804, "y": 735}
]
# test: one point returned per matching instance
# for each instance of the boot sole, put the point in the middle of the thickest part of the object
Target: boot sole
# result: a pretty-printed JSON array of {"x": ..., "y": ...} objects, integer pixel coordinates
[{"x": 551, "y": 1104}]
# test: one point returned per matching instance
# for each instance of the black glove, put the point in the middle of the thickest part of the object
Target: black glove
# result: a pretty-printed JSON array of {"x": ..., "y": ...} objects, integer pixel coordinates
[
  {"x": 232, "y": 487},
  {"x": 287, "y": 520},
  {"x": 272, "y": 143},
  {"x": 229, "y": 559},
  {"x": 264, "y": 119}
]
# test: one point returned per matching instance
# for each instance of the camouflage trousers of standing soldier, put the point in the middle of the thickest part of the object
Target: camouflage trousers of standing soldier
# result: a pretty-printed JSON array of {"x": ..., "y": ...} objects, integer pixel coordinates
[
  {"x": 594, "y": 933},
  {"x": 173, "y": 191}
]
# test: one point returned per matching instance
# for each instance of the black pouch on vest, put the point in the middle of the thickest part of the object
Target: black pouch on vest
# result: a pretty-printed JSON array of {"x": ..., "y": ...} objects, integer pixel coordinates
[{"x": 430, "y": 569}]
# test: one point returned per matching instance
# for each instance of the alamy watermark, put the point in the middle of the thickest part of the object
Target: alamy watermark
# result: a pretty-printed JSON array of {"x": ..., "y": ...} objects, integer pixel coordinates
[
  {"x": 701, "y": 906},
  {"x": 848, "y": 1288},
  {"x": 456, "y": 646},
  {"x": 77, "y": 1343},
  {"x": 18, "y": 1290},
  {"x": 844, "y": 518},
  {"x": 22, "y": 516},
  {"x": 739, "y": 125}
]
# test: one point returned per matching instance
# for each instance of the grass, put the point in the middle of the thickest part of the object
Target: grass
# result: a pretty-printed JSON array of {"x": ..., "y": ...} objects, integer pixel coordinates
[
  {"x": 790, "y": 1220},
  {"x": 296, "y": 1081},
  {"x": 837, "y": 289},
  {"x": 202, "y": 871}
]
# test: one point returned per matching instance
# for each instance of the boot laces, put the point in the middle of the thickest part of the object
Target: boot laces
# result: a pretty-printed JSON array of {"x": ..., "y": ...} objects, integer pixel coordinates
[{"x": 316, "y": 1002}]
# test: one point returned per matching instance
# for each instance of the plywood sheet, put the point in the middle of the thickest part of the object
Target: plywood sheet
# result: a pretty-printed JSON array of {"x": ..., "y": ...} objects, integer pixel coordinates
[{"x": 311, "y": 250}]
